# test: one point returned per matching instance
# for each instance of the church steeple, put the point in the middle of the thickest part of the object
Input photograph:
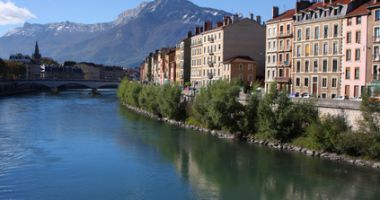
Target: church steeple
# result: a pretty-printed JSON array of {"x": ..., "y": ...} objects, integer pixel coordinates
[{"x": 37, "y": 55}]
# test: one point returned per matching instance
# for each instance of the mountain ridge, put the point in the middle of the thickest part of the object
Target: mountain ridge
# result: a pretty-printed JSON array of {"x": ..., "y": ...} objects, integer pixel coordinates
[{"x": 123, "y": 41}]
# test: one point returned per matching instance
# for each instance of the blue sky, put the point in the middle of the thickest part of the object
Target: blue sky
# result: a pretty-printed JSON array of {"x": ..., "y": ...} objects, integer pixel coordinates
[{"x": 14, "y": 13}]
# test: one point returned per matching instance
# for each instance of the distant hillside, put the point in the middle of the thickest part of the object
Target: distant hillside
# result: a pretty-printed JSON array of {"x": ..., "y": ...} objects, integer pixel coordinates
[{"x": 125, "y": 41}]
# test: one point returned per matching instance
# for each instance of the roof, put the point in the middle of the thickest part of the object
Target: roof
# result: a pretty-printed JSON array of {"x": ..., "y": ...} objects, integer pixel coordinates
[
  {"x": 374, "y": 5},
  {"x": 244, "y": 58},
  {"x": 285, "y": 15},
  {"x": 361, "y": 10},
  {"x": 325, "y": 5}
]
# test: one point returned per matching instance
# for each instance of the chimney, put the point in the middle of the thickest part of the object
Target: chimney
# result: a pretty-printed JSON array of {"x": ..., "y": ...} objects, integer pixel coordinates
[
  {"x": 201, "y": 29},
  {"x": 227, "y": 20},
  {"x": 235, "y": 18},
  {"x": 258, "y": 19},
  {"x": 207, "y": 25},
  {"x": 275, "y": 11},
  {"x": 303, "y": 4},
  {"x": 252, "y": 16},
  {"x": 219, "y": 24},
  {"x": 197, "y": 30},
  {"x": 189, "y": 34}
]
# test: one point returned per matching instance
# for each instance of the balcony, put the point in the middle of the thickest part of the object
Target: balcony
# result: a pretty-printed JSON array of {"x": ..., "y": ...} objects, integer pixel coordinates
[
  {"x": 285, "y": 34},
  {"x": 211, "y": 53},
  {"x": 376, "y": 39},
  {"x": 283, "y": 80},
  {"x": 376, "y": 58},
  {"x": 211, "y": 40},
  {"x": 210, "y": 64}
]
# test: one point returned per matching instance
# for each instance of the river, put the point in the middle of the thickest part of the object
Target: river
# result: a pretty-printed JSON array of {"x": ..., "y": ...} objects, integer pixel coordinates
[{"x": 75, "y": 146}]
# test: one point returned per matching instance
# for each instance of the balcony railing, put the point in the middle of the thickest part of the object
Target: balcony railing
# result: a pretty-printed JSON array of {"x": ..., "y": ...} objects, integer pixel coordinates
[
  {"x": 285, "y": 34},
  {"x": 286, "y": 63},
  {"x": 210, "y": 75},
  {"x": 211, "y": 40},
  {"x": 210, "y": 64},
  {"x": 211, "y": 53},
  {"x": 283, "y": 79}
]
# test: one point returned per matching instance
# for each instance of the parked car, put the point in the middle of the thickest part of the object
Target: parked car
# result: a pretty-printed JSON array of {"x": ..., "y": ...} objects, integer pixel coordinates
[
  {"x": 306, "y": 95},
  {"x": 339, "y": 98},
  {"x": 294, "y": 95}
]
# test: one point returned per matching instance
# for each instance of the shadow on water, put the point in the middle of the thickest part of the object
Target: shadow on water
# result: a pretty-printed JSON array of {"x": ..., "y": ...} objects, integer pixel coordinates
[{"x": 231, "y": 170}]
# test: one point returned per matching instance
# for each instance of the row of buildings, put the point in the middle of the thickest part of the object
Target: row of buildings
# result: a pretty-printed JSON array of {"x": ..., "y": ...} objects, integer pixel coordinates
[
  {"x": 325, "y": 48},
  {"x": 37, "y": 67},
  {"x": 230, "y": 49}
]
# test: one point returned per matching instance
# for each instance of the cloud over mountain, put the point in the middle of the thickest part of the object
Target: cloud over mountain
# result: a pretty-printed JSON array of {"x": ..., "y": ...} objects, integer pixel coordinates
[{"x": 12, "y": 14}]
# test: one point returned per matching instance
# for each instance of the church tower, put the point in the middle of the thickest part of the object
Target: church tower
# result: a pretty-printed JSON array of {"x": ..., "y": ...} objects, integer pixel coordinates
[{"x": 37, "y": 55}]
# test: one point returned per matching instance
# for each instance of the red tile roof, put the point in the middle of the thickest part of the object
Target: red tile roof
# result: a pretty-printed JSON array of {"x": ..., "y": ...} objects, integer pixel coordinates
[
  {"x": 374, "y": 4},
  {"x": 361, "y": 10},
  {"x": 285, "y": 15},
  {"x": 324, "y": 5}
]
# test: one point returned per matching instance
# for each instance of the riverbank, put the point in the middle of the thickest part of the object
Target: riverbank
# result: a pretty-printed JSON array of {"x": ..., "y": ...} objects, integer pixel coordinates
[
  {"x": 271, "y": 144},
  {"x": 11, "y": 89}
]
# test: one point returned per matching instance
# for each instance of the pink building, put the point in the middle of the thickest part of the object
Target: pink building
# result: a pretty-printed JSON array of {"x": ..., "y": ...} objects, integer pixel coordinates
[{"x": 355, "y": 28}]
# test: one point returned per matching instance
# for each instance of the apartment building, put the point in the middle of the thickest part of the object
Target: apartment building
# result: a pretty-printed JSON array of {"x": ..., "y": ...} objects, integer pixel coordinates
[
  {"x": 318, "y": 47},
  {"x": 279, "y": 46},
  {"x": 182, "y": 60},
  {"x": 212, "y": 46},
  {"x": 355, "y": 31},
  {"x": 373, "y": 37},
  {"x": 242, "y": 67}
]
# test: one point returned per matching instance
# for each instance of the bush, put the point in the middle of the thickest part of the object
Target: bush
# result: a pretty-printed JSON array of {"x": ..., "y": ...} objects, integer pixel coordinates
[
  {"x": 148, "y": 99},
  {"x": 355, "y": 144},
  {"x": 170, "y": 102},
  {"x": 217, "y": 106},
  {"x": 328, "y": 132}
]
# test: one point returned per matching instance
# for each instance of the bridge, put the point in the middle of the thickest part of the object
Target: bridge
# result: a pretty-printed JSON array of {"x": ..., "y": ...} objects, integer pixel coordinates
[{"x": 54, "y": 85}]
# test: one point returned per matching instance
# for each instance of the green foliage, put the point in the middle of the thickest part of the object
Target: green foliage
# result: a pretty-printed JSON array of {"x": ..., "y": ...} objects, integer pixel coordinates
[
  {"x": 328, "y": 132},
  {"x": 306, "y": 142},
  {"x": 170, "y": 102},
  {"x": 371, "y": 114},
  {"x": 217, "y": 106},
  {"x": 249, "y": 122},
  {"x": 283, "y": 120},
  {"x": 148, "y": 99},
  {"x": 11, "y": 70}
]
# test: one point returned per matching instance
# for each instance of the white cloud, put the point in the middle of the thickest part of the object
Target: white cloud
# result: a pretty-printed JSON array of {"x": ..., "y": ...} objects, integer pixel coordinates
[{"x": 11, "y": 14}]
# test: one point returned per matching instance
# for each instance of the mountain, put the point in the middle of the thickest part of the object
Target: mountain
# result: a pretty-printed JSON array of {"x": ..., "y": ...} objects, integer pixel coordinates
[{"x": 124, "y": 41}]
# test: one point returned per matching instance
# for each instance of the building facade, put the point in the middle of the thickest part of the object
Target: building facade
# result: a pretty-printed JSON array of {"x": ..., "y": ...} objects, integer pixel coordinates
[
  {"x": 355, "y": 43},
  {"x": 279, "y": 46},
  {"x": 244, "y": 68},
  {"x": 373, "y": 37}
]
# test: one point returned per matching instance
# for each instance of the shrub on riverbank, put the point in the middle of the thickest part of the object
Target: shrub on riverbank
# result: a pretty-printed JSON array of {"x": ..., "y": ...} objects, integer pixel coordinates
[{"x": 272, "y": 117}]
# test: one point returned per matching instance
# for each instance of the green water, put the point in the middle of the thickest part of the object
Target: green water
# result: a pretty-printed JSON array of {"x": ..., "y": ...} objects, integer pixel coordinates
[{"x": 75, "y": 146}]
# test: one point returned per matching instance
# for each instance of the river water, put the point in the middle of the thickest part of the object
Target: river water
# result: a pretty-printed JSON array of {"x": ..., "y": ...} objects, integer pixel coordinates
[{"x": 75, "y": 146}]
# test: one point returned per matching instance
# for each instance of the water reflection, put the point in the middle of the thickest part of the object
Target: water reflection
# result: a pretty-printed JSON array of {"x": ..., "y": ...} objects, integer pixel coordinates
[{"x": 229, "y": 170}]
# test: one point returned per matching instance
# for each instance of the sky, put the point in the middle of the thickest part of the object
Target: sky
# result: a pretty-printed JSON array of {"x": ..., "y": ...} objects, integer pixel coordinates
[{"x": 14, "y": 13}]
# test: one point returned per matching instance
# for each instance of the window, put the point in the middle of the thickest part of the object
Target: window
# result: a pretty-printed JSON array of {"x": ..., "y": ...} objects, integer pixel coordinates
[
  {"x": 324, "y": 95},
  {"x": 298, "y": 66},
  {"x": 316, "y": 32},
  {"x": 299, "y": 34},
  {"x": 324, "y": 82},
  {"x": 335, "y": 65},
  {"x": 357, "y": 37},
  {"x": 241, "y": 67},
  {"x": 325, "y": 67},
  {"x": 298, "y": 51},
  {"x": 307, "y": 50},
  {"x": 288, "y": 29},
  {"x": 349, "y": 38},
  {"x": 349, "y": 21},
  {"x": 306, "y": 82},
  {"x": 325, "y": 48},
  {"x": 307, "y": 33},
  {"x": 348, "y": 73},
  {"x": 298, "y": 82},
  {"x": 358, "y": 20},
  {"x": 333, "y": 82},
  {"x": 316, "y": 49},
  {"x": 348, "y": 55},
  {"x": 336, "y": 30},
  {"x": 335, "y": 48},
  {"x": 376, "y": 53},
  {"x": 250, "y": 67},
  {"x": 357, "y": 73},
  {"x": 281, "y": 73},
  {"x": 315, "y": 65},
  {"x": 307, "y": 66},
  {"x": 357, "y": 54},
  {"x": 376, "y": 75},
  {"x": 377, "y": 15},
  {"x": 326, "y": 31},
  {"x": 377, "y": 33}
]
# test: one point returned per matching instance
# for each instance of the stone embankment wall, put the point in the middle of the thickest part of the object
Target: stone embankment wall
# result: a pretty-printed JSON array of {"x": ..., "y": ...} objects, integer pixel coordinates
[{"x": 349, "y": 109}]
